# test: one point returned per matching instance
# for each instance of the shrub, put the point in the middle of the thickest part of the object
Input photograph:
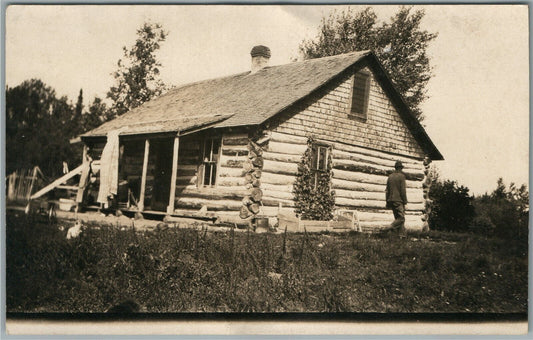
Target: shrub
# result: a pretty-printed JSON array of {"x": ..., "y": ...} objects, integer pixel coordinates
[
  {"x": 452, "y": 208},
  {"x": 313, "y": 197}
]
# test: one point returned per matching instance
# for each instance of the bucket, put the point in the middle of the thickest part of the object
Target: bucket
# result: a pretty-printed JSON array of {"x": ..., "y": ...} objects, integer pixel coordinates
[{"x": 66, "y": 204}]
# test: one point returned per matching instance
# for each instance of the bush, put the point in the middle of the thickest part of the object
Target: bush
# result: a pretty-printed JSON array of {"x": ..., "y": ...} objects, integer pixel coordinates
[
  {"x": 452, "y": 208},
  {"x": 505, "y": 212},
  {"x": 314, "y": 199},
  {"x": 482, "y": 225}
]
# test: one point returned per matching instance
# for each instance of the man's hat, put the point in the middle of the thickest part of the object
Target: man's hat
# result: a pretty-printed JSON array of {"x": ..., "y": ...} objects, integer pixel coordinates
[{"x": 398, "y": 165}]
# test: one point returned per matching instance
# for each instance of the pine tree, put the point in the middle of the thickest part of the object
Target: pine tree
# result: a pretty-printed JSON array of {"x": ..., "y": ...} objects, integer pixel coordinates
[{"x": 97, "y": 114}]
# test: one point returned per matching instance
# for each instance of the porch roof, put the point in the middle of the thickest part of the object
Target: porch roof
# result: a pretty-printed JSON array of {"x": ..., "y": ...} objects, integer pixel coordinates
[{"x": 173, "y": 124}]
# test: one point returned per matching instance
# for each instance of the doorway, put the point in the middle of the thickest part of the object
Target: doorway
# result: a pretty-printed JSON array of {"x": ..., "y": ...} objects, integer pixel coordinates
[{"x": 162, "y": 151}]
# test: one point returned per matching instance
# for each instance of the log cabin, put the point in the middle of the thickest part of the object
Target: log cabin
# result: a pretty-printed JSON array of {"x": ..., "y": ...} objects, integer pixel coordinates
[{"x": 231, "y": 146}]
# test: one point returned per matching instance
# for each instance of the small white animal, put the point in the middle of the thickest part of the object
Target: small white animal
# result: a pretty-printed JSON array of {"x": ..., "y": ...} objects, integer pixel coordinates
[{"x": 75, "y": 231}]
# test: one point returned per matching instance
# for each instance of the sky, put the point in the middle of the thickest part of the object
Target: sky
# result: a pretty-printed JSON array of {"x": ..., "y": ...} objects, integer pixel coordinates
[{"x": 477, "y": 113}]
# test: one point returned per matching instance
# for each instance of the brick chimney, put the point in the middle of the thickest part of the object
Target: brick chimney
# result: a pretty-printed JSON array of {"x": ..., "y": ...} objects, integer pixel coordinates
[{"x": 260, "y": 57}]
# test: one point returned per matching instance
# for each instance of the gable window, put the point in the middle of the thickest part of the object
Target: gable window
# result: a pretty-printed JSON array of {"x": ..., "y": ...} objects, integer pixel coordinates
[
  {"x": 361, "y": 89},
  {"x": 319, "y": 161},
  {"x": 210, "y": 160}
]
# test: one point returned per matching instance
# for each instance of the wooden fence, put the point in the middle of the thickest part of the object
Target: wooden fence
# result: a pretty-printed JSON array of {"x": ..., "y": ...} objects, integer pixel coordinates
[{"x": 21, "y": 184}]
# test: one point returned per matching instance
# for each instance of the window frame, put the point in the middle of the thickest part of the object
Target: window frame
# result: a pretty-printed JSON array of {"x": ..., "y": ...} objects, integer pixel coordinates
[
  {"x": 361, "y": 116},
  {"x": 201, "y": 180},
  {"x": 315, "y": 160}
]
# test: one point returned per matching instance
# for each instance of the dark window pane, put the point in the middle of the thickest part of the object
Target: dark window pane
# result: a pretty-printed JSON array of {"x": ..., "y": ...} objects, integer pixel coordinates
[
  {"x": 314, "y": 157},
  {"x": 215, "y": 149},
  {"x": 322, "y": 158},
  {"x": 207, "y": 172},
  {"x": 213, "y": 173},
  {"x": 360, "y": 93}
]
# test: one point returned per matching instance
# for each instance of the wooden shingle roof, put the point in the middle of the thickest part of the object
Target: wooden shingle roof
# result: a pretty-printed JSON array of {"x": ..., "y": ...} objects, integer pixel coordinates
[{"x": 245, "y": 99}]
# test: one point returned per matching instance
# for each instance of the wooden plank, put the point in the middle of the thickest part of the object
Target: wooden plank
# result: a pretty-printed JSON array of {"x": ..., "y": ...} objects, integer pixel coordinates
[
  {"x": 197, "y": 203},
  {"x": 385, "y": 217},
  {"x": 411, "y": 225},
  {"x": 235, "y": 193},
  {"x": 143, "y": 176},
  {"x": 174, "y": 174},
  {"x": 274, "y": 202},
  {"x": 32, "y": 182},
  {"x": 68, "y": 187},
  {"x": 57, "y": 182},
  {"x": 355, "y": 203}
]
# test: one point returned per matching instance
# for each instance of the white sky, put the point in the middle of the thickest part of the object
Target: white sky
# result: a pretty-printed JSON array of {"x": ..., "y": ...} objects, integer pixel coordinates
[{"x": 477, "y": 113}]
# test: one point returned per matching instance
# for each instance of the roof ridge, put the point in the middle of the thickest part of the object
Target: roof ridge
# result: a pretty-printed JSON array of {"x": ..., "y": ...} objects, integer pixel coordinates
[{"x": 182, "y": 86}]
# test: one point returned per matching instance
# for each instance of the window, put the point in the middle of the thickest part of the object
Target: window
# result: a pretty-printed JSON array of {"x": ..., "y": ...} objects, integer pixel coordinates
[
  {"x": 361, "y": 88},
  {"x": 319, "y": 161},
  {"x": 210, "y": 160}
]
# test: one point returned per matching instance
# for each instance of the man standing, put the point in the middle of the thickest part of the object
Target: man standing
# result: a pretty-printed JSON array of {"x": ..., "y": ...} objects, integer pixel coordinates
[{"x": 397, "y": 198}]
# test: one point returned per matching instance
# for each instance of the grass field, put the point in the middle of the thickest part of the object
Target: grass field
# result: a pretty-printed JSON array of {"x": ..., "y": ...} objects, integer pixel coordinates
[{"x": 189, "y": 270}]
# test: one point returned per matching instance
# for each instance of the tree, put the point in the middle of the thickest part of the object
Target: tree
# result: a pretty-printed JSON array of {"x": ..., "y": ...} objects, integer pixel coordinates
[
  {"x": 38, "y": 128},
  {"x": 97, "y": 114},
  {"x": 137, "y": 75},
  {"x": 400, "y": 45},
  {"x": 504, "y": 212},
  {"x": 76, "y": 122}
]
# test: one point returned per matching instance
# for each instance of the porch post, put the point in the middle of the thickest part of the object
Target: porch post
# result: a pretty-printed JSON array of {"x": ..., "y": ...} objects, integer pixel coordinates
[
  {"x": 143, "y": 178},
  {"x": 171, "y": 199}
]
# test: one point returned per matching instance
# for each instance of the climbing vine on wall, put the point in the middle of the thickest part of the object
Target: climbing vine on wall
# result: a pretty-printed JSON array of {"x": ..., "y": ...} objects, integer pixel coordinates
[{"x": 314, "y": 199}]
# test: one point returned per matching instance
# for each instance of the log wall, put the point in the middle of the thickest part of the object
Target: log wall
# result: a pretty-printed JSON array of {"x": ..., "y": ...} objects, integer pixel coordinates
[
  {"x": 131, "y": 167},
  {"x": 359, "y": 180},
  {"x": 227, "y": 195}
]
